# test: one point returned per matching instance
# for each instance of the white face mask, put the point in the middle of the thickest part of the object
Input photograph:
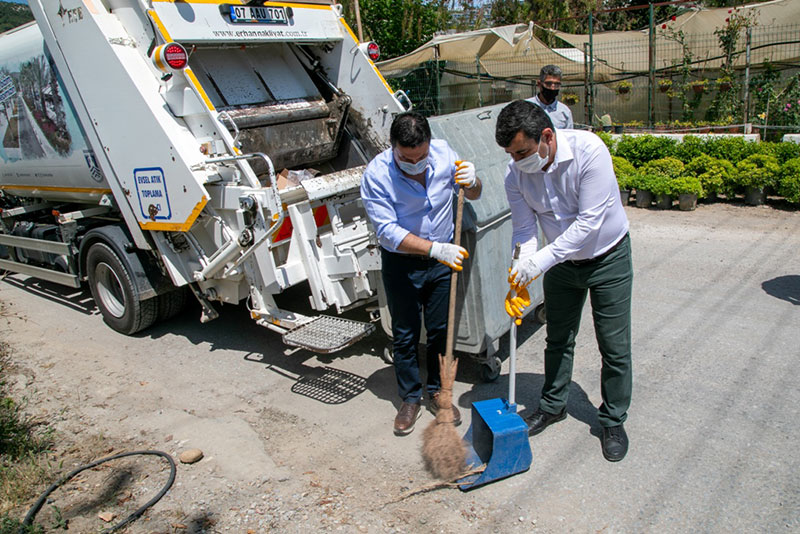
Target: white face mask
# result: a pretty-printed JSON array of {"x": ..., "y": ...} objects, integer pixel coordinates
[
  {"x": 412, "y": 169},
  {"x": 534, "y": 162}
]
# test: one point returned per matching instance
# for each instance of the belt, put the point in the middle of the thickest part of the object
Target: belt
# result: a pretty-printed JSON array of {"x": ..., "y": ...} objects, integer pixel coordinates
[
  {"x": 601, "y": 256},
  {"x": 421, "y": 257}
]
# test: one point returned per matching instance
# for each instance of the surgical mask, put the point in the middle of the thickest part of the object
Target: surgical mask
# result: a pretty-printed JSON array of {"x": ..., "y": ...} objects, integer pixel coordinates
[
  {"x": 534, "y": 162},
  {"x": 549, "y": 94},
  {"x": 412, "y": 169}
]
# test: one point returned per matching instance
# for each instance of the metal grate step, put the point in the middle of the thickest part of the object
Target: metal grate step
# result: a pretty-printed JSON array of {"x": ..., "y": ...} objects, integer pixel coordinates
[
  {"x": 327, "y": 334},
  {"x": 333, "y": 386}
]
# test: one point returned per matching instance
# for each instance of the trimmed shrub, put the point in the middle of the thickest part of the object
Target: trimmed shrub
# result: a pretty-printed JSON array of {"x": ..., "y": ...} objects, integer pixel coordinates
[
  {"x": 785, "y": 151},
  {"x": 608, "y": 140},
  {"x": 691, "y": 147},
  {"x": 733, "y": 149},
  {"x": 686, "y": 184},
  {"x": 789, "y": 180},
  {"x": 758, "y": 170},
  {"x": 624, "y": 171},
  {"x": 641, "y": 149},
  {"x": 715, "y": 175},
  {"x": 669, "y": 167}
]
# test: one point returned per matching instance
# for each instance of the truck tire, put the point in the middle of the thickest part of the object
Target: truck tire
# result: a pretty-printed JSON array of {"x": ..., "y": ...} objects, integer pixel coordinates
[
  {"x": 115, "y": 294},
  {"x": 172, "y": 303}
]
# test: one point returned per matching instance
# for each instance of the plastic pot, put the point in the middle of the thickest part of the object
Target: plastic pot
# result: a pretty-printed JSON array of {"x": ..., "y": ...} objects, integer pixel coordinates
[
  {"x": 687, "y": 201},
  {"x": 663, "y": 202},
  {"x": 643, "y": 198},
  {"x": 754, "y": 196}
]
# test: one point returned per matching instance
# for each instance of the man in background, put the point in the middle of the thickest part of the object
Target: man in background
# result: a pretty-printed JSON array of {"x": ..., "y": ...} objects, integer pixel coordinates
[{"x": 549, "y": 85}]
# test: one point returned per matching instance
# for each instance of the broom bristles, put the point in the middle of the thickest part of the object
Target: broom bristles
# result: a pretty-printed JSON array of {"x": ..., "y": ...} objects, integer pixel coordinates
[{"x": 442, "y": 448}]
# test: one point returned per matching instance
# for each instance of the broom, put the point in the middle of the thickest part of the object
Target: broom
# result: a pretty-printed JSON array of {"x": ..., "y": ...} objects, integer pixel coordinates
[{"x": 442, "y": 448}]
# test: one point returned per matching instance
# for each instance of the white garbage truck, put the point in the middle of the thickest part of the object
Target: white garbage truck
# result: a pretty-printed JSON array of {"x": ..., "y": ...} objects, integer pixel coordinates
[{"x": 142, "y": 147}]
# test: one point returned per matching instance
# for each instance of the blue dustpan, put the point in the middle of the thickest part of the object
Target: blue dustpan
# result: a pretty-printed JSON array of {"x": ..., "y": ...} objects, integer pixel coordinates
[{"x": 497, "y": 437}]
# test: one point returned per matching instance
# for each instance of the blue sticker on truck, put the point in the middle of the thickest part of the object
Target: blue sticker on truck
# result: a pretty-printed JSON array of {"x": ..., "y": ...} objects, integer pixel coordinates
[{"x": 151, "y": 189}]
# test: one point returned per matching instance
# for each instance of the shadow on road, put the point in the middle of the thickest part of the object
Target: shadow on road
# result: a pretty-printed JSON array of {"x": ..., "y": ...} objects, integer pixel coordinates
[
  {"x": 79, "y": 299},
  {"x": 784, "y": 287}
]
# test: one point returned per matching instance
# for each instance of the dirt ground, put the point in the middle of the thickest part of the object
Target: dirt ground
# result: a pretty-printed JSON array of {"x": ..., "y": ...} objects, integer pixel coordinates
[{"x": 713, "y": 423}]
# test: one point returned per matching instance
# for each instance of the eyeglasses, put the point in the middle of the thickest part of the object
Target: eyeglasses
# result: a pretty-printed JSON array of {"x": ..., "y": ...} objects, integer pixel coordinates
[{"x": 552, "y": 85}]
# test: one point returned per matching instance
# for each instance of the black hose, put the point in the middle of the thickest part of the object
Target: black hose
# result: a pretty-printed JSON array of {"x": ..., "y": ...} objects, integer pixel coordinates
[{"x": 135, "y": 515}]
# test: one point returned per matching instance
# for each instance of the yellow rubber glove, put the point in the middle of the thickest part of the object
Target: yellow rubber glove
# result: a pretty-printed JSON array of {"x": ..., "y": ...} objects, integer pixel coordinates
[{"x": 516, "y": 302}]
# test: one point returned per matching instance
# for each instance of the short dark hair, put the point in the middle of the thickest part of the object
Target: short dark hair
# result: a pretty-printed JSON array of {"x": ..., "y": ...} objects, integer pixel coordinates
[
  {"x": 550, "y": 70},
  {"x": 521, "y": 116},
  {"x": 409, "y": 129}
]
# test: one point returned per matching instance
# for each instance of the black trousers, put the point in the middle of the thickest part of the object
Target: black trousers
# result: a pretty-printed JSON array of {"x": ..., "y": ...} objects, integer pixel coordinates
[{"x": 416, "y": 286}]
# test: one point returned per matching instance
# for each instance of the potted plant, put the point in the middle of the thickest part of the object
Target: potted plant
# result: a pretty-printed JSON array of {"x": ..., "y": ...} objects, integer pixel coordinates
[
  {"x": 633, "y": 125},
  {"x": 715, "y": 175},
  {"x": 756, "y": 173},
  {"x": 664, "y": 85},
  {"x": 724, "y": 83},
  {"x": 618, "y": 128},
  {"x": 641, "y": 182},
  {"x": 688, "y": 189},
  {"x": 570, "y": 99},
  {"x": 663, "y": 171},
  {"x": 789, "y": 180},
  {"x": 661, "y": 187},
  {"x": 624, "y": 171},
  {"x": 624, "y": 87},
  {"x": 698, "y": 86}
]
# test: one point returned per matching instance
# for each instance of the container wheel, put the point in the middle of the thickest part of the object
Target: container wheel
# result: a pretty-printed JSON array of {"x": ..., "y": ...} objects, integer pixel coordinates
[
  {"x": 490, "y": 370},
  {"x": 115, "y": 294},
  {"x": 388, "y": 354},
  {"x": 539, "y": 314}
]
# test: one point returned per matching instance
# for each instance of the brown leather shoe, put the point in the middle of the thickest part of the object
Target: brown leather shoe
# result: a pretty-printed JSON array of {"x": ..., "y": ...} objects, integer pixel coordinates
[
  {"x": 434, "y": 407},
  {"x": 407, "y": 415}
]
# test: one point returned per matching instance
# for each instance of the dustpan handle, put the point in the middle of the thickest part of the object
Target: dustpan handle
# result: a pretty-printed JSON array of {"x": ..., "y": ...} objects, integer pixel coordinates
[{"x": 512, "y": 344}]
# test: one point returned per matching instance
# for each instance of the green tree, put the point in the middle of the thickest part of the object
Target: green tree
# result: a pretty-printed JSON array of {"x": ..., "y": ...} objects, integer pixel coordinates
[
  {"x": 398, "y": 26},
  {"x": 13, "y": 15}
]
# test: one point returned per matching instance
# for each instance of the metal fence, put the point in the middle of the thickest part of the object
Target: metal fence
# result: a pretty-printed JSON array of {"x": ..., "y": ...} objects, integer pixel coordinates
[{"x": 678, "y": 85}]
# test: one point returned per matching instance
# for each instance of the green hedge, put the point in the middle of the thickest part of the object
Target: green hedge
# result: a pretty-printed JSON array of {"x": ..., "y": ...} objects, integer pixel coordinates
[
  {"x": 789, "y": 180},
  {"x": 723, "y": 165},
  {"x": 641, "y": 149}
]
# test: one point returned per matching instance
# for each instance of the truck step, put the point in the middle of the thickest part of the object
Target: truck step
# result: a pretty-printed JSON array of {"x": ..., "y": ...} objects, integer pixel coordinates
[{"x": 326, "y": 334}]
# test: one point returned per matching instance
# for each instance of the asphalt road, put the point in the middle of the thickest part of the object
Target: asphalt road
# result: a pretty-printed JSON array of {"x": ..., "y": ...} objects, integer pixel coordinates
[{"x": 713, "y": 424}]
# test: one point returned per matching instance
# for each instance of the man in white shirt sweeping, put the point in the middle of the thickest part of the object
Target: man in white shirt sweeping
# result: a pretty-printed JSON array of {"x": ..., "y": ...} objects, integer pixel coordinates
[{"x": 564, "y": 180}]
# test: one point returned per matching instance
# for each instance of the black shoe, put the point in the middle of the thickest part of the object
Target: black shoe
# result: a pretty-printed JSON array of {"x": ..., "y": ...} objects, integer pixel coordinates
[
  {"x": 539, "y": 420},
  {"x": 615, "y": 443}
]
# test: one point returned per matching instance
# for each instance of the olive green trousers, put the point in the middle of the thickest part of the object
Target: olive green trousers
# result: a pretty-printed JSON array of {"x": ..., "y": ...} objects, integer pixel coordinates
[{"x": 608, "y": 281}]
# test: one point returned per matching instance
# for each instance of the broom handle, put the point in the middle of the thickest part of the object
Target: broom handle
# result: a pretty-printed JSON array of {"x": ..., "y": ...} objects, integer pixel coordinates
[{"x": 451, "y": 308}]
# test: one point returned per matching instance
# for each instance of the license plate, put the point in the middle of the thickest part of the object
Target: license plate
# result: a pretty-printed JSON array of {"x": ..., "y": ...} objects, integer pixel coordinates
[{"x": 259, "y": 15}]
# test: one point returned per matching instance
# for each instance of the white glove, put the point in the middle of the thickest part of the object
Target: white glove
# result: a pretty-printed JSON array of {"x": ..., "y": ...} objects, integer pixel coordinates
[
  {"x": 465, "y": 174},
  {"x": 449, "y": 254},
  {"x": 523, "y": 274}
]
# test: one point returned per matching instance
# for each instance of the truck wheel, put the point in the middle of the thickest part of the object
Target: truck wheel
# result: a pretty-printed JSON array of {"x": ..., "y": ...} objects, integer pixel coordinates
[
  {"x": 115, "y": 293},
  {"x": 171, "y": 304}
]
